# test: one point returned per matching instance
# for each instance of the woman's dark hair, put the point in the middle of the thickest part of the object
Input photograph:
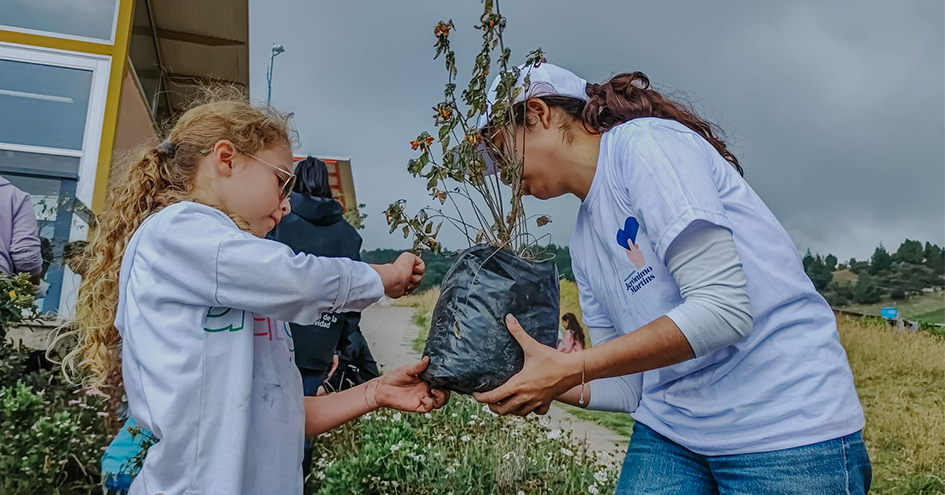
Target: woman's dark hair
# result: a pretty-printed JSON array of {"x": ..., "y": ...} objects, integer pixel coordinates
[
  {"x": 571, "y": 323},
  {"x": 629, "y": 96},
  {"x": 312, "y": 175}
]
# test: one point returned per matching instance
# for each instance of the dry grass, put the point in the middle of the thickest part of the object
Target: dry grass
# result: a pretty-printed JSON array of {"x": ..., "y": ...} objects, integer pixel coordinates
[
  {"x": 900, "y": 378},
  {"x": 844, "y": 277}
]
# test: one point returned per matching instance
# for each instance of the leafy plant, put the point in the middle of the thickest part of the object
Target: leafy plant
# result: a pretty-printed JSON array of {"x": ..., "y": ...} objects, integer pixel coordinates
[
  {"x": 462, "y": 448},
  {"x": 51, "y": 436},
  {"x": 457, "y": 169},
  {"x": 16, "y": 301}
]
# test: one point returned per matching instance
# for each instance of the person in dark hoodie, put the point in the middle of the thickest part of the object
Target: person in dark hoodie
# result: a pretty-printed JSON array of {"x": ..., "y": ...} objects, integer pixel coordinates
[{"x": 316, "y": 225}]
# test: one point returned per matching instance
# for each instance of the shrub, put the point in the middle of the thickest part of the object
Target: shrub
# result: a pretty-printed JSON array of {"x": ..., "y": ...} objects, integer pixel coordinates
[
  {"x": 462, "y": 448},
  {"x": 51, "y": 439}
]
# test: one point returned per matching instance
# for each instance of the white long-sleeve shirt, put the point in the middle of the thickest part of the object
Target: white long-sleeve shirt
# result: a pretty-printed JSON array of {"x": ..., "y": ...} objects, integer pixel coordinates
[{"x": 207, "y": 359}]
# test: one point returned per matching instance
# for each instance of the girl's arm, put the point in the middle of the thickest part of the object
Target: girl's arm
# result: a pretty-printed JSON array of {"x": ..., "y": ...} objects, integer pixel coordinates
[
  {"x": 219, "y": 266},
  {"x": 399, "y": 389}
]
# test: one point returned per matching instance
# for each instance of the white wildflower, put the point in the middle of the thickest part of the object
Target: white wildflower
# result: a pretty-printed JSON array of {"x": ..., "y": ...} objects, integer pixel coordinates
[
  {"x": 507, "y": 456},
  {"x": 397, "y": 416},
  {"x": 320, "y": 475},
  {"x": 601, "y": 477},
  {"x": 450, "y": 470},
  {"x": 466, "y": 438},
  {"x": 474, "y": 416},
  {"x": 427, "y": 415},
  {"x": 553, "y": 434},
  {"x": 567, "y": 452},
  {"x": 454, "y": 415},
  {"x": 593, "y": 490}
]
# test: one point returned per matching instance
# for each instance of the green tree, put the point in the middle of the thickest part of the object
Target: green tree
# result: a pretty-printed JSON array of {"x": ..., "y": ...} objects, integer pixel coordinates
[
  {"x": 880, "y": 261},
  {"x": 934, "y": 258},
  {"x": 866, "y": 291},
  {"x": 818, "y": 271},
  {"x": 910, "y": 252},
  {"x": 830, "y": 262}
]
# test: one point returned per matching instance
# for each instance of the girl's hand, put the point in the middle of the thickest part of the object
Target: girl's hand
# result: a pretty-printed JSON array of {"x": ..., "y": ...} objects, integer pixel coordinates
[
  {"x": 546, "y": 375},
  {"x": 402, "y": 389},
  {"x": 402, "y": 276}
]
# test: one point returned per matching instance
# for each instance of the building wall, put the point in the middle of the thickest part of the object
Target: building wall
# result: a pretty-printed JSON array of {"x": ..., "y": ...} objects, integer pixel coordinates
[{"x": 135, "y": 128}]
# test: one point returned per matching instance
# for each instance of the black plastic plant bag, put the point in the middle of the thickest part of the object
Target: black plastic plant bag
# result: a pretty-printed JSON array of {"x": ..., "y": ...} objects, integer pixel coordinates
[{"x": 470, "y": 347}]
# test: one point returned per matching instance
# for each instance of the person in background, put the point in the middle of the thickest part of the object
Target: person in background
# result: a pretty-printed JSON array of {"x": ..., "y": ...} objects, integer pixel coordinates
[
  {"x": 316, "y": 225},
  {"x": 20, "y": 247},
  {"x": 573, "y": 339},
  {"x": 355, "y": 363}
]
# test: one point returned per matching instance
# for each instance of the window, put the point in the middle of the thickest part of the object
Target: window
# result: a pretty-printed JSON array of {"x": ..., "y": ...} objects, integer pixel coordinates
[
  {"x": 90, "y": 20},
  {"x": 51, "y": 111}
]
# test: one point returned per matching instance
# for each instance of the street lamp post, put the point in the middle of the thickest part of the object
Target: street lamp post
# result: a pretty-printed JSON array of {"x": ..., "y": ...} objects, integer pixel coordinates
[{"x": 276, "y": 49}]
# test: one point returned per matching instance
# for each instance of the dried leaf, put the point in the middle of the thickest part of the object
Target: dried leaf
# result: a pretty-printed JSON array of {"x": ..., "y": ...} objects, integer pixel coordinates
[
  {"x": 543, "y": 220},
  {"x": 406, "y": 231}
]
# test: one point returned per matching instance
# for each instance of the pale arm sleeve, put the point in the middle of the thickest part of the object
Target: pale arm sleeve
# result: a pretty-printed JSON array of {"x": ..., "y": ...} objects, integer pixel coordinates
[
  {"x": 619, "y": 393},
  {"x": 716, "y": 308}
]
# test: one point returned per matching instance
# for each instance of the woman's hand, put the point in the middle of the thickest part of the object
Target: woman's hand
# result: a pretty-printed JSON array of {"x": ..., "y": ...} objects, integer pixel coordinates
[
  {"x": 402, "y": 276},
  {"x": 402, "y": 389},
  {"x": 546, "y": 374}
]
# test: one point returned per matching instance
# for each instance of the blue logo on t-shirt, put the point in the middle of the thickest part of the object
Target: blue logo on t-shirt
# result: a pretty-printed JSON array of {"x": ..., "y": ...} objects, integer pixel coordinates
[{"x": 627, "y": 239}]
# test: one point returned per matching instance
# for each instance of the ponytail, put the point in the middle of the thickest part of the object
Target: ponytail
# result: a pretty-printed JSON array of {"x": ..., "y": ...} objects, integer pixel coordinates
[
  {"x": 155, "y": 178},
  {"x": 629, "y": 96}
]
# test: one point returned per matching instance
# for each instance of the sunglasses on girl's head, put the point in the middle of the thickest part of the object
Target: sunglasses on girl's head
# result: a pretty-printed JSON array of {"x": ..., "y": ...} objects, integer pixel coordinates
[{"x": 289, "y": 182}]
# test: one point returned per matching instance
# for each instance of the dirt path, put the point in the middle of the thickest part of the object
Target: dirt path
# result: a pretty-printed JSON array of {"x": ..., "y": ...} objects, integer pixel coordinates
[{"x": 390, "y": 331}]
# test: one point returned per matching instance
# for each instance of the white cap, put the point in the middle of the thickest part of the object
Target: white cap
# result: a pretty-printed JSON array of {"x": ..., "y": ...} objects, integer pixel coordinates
[{"x": 544, "y": 80}]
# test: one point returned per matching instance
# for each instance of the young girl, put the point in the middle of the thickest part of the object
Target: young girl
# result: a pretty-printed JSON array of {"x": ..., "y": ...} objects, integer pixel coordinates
[
  {"x": 573, "y": 338},
  {"x": 199, "y": 301},
  {"x": 694, "y": 294}
]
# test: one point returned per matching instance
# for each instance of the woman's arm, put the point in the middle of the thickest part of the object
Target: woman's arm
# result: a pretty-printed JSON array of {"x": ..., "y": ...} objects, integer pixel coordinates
[
  {"x": 619, "y": 393},
  {"x": 400, "y": 389},
  {"x": 715, "y": 313}
]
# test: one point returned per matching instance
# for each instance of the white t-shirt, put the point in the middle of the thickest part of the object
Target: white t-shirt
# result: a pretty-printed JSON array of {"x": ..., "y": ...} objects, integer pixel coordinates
[
  {"x": 788, "y": 384},
  {"x": 207, "y": 359}
]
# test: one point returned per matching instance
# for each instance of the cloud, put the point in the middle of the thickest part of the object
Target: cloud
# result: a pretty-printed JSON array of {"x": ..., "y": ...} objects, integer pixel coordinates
[{"x": 834, "y": 108}]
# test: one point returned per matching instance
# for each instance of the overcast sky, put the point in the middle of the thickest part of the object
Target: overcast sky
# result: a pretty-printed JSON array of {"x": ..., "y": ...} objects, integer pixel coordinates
[{"x": 835, "y": 109}]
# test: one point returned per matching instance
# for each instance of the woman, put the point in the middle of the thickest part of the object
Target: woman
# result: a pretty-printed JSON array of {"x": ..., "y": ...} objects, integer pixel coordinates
[
  {"x": 693, "y": 292},
  {"x": 572, "y": 339}
]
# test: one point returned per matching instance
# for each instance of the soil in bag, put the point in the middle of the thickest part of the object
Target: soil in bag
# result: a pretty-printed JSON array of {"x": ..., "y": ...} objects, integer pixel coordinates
[{"x": 470, "y": 348}]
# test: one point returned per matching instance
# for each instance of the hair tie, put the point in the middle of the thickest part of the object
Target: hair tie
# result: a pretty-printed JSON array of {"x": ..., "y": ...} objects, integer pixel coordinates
[{"x": 167, "y": 148}]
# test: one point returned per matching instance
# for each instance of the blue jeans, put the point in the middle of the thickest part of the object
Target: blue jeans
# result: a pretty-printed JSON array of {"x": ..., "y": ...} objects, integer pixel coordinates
[{"x": 655, "y": 465}]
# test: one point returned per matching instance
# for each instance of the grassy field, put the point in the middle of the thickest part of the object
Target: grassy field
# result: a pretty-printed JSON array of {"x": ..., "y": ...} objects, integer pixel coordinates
[
  {"x": 923, "y": 307},
  {"x": 844, "y": 277},
  {"x": 900, "y": 379}
]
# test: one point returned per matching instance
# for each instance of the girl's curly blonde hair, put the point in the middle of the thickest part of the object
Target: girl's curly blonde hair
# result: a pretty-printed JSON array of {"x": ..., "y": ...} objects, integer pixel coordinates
[{"x": 154, "y": 178}]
